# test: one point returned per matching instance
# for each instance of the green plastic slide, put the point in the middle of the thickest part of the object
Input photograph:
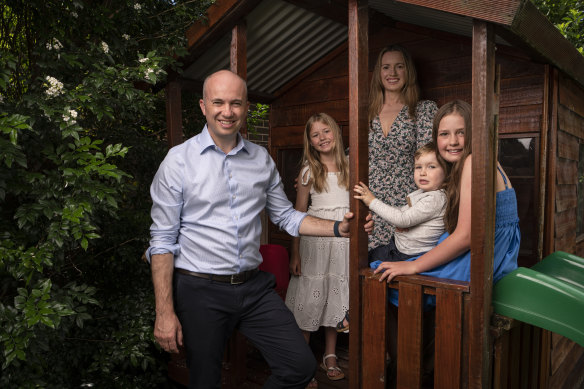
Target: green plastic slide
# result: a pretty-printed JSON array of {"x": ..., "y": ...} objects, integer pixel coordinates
[{"x": 549, "y": 295}]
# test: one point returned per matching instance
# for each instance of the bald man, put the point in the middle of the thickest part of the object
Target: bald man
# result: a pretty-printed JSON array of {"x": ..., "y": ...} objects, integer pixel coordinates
[{"x": 207, "y": 197}]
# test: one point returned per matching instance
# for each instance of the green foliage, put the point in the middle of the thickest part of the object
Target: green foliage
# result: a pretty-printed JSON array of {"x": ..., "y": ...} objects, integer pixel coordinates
[
  {"x": 256, "y": 116},
  {"x": 81, "y": 135},
  {"x": 568, "y": 17}
]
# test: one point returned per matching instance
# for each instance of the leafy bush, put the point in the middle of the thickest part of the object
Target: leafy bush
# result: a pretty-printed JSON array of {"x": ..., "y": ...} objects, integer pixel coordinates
[{"x": 81, "y": 135}]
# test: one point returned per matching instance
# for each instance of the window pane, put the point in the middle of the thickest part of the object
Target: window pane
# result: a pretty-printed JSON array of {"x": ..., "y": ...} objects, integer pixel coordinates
[{"x": 518, "y": 158}]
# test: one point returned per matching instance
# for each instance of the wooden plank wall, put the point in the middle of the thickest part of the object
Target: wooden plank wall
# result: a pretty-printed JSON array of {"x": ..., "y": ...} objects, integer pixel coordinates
[
  {"x": 443, "y": 62},
  {"x": 566, "y": 357}
]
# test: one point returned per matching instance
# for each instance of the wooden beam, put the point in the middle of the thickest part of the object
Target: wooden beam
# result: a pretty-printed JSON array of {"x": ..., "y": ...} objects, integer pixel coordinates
[
  {"x": 221, "y": 17},
  {"x": 215, "y": 14},
  {"x": 238, "y": 53},
  {"x": 238, "y": 57},
  {"x": 358, "y": 43},
  {"x": 173, "y": 113},
  {"x": 484, "y": 159},
  {"x": 497, "y": 11}
]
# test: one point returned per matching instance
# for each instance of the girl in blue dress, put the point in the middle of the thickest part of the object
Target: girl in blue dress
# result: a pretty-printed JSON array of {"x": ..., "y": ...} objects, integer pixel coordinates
[{"x": 451, "y": 257}]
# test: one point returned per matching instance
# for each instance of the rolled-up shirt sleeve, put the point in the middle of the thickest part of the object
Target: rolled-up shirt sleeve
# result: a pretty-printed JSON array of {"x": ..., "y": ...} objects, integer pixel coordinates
[{"x": 167, "y": 204}]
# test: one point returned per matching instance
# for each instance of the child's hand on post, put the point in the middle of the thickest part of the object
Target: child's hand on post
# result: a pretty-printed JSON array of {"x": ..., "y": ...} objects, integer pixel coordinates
[{"x": 363, "y": 193}]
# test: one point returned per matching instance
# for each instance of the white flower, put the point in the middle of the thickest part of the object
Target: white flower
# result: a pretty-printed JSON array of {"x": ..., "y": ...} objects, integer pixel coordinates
[
  {"x": 70, "y": 117},
  {"x": 137, "y": 6},
  {"x": 74, "y": 14},
  {"x": 1, "y": 99},
  {"x": 105, "y": 47},
  {"x": 142, "y": 60},
  {"x": 126, "y": 37},
  {"x": 55, "y": 86},
  {"x": 147, "y": 73},
  {"x": 54, "y": 44}
]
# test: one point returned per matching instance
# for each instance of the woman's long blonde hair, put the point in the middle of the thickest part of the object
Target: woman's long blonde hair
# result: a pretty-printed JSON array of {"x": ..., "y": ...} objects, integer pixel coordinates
[
  {"x": 311, "y": 157},
  {"x": 463, "y": 109},
  {"x": 410, "y": 90}
]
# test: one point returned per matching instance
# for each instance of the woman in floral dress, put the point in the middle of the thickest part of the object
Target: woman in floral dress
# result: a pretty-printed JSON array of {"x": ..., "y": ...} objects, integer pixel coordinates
[{"x": 399, "y": 124}]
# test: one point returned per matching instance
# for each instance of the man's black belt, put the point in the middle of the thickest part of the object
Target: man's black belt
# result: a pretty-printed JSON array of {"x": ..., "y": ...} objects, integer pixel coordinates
[{"x": 233, "y": 279}]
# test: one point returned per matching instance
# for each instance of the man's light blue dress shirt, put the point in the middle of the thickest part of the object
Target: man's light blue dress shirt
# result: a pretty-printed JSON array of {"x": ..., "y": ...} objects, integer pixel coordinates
[{"x": 206, "y": 205}]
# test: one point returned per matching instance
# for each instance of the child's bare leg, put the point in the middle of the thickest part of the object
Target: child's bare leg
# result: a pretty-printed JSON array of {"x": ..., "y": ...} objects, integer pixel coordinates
[
  {"x": 329, "y": 360},
  {"x": 306, "y": 336}
]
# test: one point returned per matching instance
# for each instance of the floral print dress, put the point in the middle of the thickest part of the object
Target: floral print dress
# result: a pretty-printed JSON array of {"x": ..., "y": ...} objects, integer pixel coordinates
[{"x": 391, "y": 161}]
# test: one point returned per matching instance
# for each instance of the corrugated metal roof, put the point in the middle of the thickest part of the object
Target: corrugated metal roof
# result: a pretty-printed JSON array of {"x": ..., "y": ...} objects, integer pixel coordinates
[
  {"x": 426, "y": 17},
  {"x": 282, "y": 41}
]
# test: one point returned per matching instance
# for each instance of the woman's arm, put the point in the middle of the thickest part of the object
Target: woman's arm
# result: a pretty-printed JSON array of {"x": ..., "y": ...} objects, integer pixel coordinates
[
  {"x": 454, "y": 245},
  {"x": 302, "y": 196}
]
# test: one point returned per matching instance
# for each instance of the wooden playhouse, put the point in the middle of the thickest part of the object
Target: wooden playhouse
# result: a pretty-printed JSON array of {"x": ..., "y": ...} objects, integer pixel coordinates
[{"x": 526, "y": 86}]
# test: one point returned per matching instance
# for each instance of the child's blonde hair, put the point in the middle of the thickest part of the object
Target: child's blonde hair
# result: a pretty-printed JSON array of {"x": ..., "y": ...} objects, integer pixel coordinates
[{"x": 311, "y": 157}]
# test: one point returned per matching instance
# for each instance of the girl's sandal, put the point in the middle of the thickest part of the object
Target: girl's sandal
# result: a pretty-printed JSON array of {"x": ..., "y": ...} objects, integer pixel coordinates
[
  {"x": 343, "y": 325},
  {"x": 332, "y": 369}
]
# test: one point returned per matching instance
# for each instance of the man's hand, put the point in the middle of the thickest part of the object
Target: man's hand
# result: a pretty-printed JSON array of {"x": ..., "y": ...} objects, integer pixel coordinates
[
  {"x": 369, "y": 223},
  {"x": 168, "y": 332},
  {"x": 344, "y": 226}
]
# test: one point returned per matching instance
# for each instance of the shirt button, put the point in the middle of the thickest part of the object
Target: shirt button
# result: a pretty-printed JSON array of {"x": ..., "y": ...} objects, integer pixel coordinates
[
  {"x": 233, "y": 196},
  {"x": 230, "y": 175}
]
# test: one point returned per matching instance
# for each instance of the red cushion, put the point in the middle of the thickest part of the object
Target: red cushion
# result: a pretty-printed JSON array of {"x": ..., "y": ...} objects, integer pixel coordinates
[{"x": 275, "y": 261}]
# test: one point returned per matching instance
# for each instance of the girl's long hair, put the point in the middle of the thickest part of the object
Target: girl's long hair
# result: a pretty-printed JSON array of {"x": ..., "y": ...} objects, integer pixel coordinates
[
  {"x": 311, "y": 157},
  {"x": 410, "y": 90},
  {"x": 462, "y": 108}
]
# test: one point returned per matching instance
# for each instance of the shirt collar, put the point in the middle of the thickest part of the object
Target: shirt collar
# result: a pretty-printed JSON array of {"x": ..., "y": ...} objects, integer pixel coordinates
[{"x": 207, "y": 142}]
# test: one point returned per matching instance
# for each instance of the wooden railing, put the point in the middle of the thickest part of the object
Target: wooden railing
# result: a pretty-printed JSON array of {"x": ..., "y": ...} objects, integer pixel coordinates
[{"x": 450, "y": 331}]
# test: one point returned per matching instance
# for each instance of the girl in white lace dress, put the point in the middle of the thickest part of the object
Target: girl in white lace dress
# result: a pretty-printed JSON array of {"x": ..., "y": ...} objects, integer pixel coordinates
[{"x": 318, "y": 293}]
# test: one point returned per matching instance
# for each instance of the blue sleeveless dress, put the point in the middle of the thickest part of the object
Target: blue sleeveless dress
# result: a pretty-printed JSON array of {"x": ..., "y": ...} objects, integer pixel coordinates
[{"x": 506, "y": 250}]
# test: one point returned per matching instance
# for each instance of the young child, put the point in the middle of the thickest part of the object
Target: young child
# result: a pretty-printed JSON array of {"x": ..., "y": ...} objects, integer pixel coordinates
[
  {"x": 420, "y": 222},
  {"x": 451, "y": 257},
  {"x": 318, "y": 293}
]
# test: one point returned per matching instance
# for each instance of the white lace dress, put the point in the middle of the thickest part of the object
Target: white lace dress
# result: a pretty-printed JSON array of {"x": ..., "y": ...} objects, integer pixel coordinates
[{"x": 320, "y": 296}]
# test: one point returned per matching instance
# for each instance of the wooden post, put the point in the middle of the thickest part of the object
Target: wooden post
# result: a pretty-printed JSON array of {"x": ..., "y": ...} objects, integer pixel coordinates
[
  {"x": 358, "y": 153},
  {"x": 173, "y": 113},
  {"x": 238, "y": 57},
  {"x": 409, "y": 335},
  {"x": 548, "y": 158},
  {"x": 237, "y": 348},
  {"x": 484, "y": 157},
  {"x": 373, "y": 332}
]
